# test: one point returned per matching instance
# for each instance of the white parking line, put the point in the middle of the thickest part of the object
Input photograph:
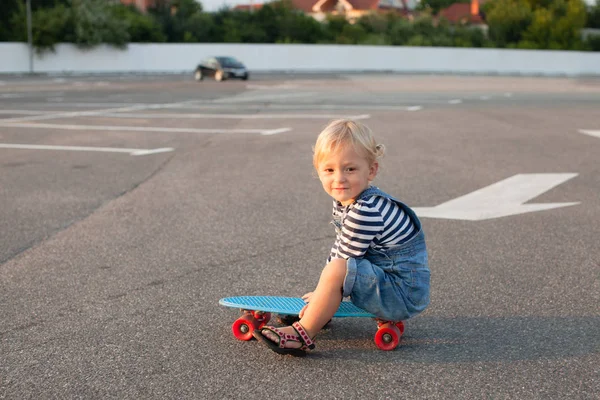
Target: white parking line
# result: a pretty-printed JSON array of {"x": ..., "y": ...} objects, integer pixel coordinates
[
  {"x": 133, "y": 152},
  {"x": 70, "y": 114},
  {"x": 196, "y": 105},
  {"x": 26, "y": 112},
  {"x": 137, "y": 128},
  {"x": 267, "y": 87},
  {"x": 262, "y": 97},
  {"x": 275, "y": 131},
  {"x": 590, "y": 132},
  {"x": 235, "y": 116}
]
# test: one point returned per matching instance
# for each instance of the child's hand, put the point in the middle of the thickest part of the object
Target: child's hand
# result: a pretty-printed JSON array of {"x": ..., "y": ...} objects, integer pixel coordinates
[{"x": 307, "y": 297}]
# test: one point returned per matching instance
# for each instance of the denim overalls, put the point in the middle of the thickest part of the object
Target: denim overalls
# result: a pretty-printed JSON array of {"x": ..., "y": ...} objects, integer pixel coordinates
[{"x": 392, "y": 283}]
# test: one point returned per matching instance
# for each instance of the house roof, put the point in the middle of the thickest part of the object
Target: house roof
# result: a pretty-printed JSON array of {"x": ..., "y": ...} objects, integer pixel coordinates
[
  {"x": 246, "y": 7},
  {"x": 459, "y": 12},
  {"x": 330, "y": 5}
]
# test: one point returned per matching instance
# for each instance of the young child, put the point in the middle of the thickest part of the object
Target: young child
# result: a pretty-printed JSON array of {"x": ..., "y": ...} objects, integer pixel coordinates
[{"x": 379, "y": 258}]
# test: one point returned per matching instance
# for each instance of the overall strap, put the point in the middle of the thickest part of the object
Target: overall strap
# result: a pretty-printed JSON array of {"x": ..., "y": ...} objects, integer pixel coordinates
[{"x": 375, "y": 191}]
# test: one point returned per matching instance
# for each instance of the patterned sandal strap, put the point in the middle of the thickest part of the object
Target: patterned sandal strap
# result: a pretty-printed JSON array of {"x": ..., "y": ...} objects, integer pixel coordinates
[
  {"x": 308, "y": 342},
  {"x": 285, "y": 337}
]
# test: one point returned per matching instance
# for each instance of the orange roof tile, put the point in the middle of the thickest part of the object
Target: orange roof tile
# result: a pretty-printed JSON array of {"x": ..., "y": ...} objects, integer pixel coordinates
[{"x": 459, "y": 12}]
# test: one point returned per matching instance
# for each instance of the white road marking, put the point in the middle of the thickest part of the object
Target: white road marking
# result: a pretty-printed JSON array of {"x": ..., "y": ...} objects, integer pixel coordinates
[
  {"x": 235, "y": 116},
  {"x": 500, "y": 199},
  {"x": 195, "y": 105},
  {"x": 133, "y": 152},
  {"x": 71, "y": 114},
  {"x": 282, "y": 86},
  {"x": 414, "y": 108},
  {"x": 275, "y": 131},
  {"x": 590, "y": 132},
  {"x": 455, "y": 101},
  {"x": 26, "y": 112},
  {"x": 262, "y": 97},
  {"x": 134, "y": 128},
  {"x": 11, "y": 96}
]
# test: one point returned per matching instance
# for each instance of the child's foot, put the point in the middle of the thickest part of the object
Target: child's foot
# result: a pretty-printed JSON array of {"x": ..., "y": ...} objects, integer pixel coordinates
[{"x": 291, "y": 340}]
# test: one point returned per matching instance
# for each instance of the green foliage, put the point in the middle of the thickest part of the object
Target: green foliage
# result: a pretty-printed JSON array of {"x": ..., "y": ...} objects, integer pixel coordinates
[
  {"x": 93, "y": 25},
  {"x": 373, "y": 22},
  {"x": 400, "y": 32},
  {"x": 508, "y": 20},
  {"x": 51, "y": 26},
  {"x": 593, "y": 42},
  {"x": 178, "y": 20},
  {"x": 140, "y": 27},
  {"x": 557, "y": 27},
  {"x": 10, "y": 10},
  {"x": 534, "y": 24},
  {"x": 593, "y": 16}
]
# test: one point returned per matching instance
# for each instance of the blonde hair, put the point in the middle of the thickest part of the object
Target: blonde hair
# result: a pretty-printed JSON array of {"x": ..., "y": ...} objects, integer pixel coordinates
[{"x": 341, "y": 132}]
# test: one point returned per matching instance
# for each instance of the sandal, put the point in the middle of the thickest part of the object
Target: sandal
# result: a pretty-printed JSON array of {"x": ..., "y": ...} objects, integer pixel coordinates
[{"x": 279, "y": 346}]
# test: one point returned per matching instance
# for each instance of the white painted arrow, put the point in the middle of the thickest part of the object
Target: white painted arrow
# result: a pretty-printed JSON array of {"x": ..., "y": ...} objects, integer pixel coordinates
[
  {"x": 590, "y": 132},
  {"x": 500, "y": 199}
]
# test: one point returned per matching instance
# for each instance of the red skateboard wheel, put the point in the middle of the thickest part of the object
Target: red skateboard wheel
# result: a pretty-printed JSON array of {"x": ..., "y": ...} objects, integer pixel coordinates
[
  {"x": 388, "y": 336},
  {"x": 243, "y": 327}
]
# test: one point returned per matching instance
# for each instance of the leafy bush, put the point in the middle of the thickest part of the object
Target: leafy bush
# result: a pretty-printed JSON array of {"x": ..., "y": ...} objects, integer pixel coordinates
[
  {"x": 140, "y": 27},
  {"x": 557, "y": 27},
  {"x": 593, "y": 16},
  {"x": 507, "y": 20}
]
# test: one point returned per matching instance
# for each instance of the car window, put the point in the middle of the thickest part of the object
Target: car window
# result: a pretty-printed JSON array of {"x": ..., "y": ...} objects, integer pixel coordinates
[{"x": 228, "y": 61}]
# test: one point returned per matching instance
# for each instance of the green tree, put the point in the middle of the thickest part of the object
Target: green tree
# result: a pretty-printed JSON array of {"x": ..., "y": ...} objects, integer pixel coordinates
[
  {"x": 351, "y": 34},
  {"x": 51, "y": 26},
  {"x": 508, "y": 20},
  {"x": 140, "y": 27},
  {"x": 93, "y": 25},
  {"x": 593, "y": 17},
  {"x": 176, "y": 18},
  {"x": 10, "y": 10},
  {"x": 401, "y": 32},
  {"x": 556, "y": 27}
]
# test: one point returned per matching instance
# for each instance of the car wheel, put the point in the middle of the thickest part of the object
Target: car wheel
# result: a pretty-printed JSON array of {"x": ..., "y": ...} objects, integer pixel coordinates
[
  {"x": 198, "y": 75},
  {"x": 245, "y": 77},
  {"x": 219, "y": 76}
]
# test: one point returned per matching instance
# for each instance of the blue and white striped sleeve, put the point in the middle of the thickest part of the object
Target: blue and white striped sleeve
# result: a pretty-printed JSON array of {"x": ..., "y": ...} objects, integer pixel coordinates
[{"x": 362, "y": 224}]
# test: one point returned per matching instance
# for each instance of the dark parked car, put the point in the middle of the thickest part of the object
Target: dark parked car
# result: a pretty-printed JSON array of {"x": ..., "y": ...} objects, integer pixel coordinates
[{"x": 221, "y": 68}]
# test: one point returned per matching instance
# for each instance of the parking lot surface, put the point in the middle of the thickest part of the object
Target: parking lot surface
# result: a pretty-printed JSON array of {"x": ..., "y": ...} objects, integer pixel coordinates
[{"x": 130, "y": 205}]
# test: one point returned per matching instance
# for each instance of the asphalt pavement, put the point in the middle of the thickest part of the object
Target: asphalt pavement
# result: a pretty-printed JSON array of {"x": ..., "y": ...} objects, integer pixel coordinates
[{"x": 129, "y": 205}]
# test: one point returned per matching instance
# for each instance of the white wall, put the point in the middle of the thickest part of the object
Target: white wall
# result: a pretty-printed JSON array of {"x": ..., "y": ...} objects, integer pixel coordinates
[{"x": 14, "y": 58}]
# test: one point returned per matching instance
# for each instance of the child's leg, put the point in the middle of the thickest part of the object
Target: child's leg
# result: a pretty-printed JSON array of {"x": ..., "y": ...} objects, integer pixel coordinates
[
  {"x": 324, "y": 302},
  {"x": 326, "y": 298}
]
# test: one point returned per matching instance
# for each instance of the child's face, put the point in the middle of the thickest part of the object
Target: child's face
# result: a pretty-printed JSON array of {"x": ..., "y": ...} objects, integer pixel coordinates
[{"x": 345, "y": 173}]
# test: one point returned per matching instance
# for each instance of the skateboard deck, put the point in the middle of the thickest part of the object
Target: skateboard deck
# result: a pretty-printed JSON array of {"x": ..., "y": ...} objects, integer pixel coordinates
[
  {"x": 287, "y": 306},
  {"x": 256, "y": 313}
]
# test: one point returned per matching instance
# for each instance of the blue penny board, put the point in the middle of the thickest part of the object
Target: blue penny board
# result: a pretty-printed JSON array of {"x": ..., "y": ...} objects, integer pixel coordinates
[{"x": 286, "y": 305}]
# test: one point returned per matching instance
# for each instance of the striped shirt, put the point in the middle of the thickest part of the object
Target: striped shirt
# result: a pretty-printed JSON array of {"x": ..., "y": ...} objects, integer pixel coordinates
[{"x": 375, "y": 221}]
